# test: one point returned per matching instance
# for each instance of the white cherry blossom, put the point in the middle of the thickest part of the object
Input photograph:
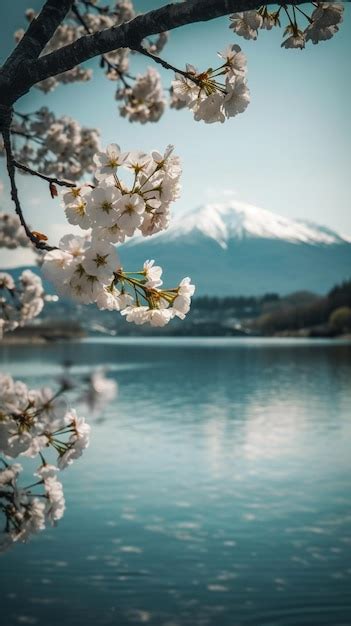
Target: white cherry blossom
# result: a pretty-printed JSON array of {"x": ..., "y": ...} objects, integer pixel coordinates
[
  {"x": 112, "y": 299},
  {"x": 136, "y": 314},
  {"x": 210, "y": 109},
  {"x": 6, "y": 281},
  {"x": 113, "y": 233},
  {"x": 9, "y": 473},
  {"x": 78, "y": 441},
  {"x": 207, "y": 97},
  {"x": 75, "y": 207},
  {"x": 186, "y": 288},
  {"x": 237, "y": 98},
  {"x": 101, "y": 260},
  {"x": 12, "y": 234},
  {"x": 296, "y": 39},
  {"x": 246, "y": 24},
  {"x": 55, "y": 506},
  {"x": 152, "y": 274},
  {"x": 108, "y": 161},
  {"x": 20, "y": 301},
  {"x": 130, "y": 208},
  {"x": 325, "y": 21},
  {"x": 102, "y": 204},
  {"x": 57, "y": 146},
  {"x": 181, "y": 304},
  {"x": 88, "y": 268},
  {"x": 184, "y": 89},
  {"x": 159, "y": 317},
  {"x": 235, "y": 60},
  {"x": 145, "y": 101},
  {"x": 74, "y": 245}
]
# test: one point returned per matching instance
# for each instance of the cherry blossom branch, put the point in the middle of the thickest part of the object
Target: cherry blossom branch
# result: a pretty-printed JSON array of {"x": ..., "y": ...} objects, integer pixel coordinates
[
  {"x": 11, "y": 169},
  {"x": 111, "y": 66},
  {"x": 289, "y": 18},
  {"x": 128, "y": 35},
  {"x": 49, "y": 179},
  {"x": 27, "y": 136},
  {"x": 165, "y": 64},
  {"x": 39, "y": 32}
]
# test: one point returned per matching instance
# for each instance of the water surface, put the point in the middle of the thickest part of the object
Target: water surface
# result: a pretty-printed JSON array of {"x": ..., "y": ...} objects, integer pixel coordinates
[{"x": 216, "y": 492}]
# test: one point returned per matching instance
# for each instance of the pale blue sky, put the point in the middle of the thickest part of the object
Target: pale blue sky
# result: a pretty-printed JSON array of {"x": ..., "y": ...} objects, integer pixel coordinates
[{"x": 289, "y": 152}]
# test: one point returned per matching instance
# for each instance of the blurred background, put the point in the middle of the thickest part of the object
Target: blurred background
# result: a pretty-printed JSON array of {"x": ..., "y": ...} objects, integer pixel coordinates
[{"x": 216, "y": 487}]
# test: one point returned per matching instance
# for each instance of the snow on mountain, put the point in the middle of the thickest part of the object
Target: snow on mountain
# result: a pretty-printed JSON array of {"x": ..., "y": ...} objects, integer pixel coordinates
[
  {"x": 236, "y": 248},
  {"x": 223, "y": 222}
]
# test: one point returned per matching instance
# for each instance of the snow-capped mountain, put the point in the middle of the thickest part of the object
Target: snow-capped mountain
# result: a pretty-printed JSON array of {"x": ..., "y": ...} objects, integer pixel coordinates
[
  {"x": 238, "y": 220},
  {"x": 234, "y": 247}
]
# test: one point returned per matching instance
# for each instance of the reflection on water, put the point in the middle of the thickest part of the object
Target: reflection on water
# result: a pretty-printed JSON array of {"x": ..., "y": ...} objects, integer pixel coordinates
[{"x": 216, "y": 493}]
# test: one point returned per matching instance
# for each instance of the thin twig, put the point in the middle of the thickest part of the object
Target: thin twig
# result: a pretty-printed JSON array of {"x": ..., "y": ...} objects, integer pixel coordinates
[
  {"x": 49, "y": 179},
  {"x": 14, "y": 193},
  {"x": 290, "y": 20},
  {"x": 305, "y": 14},
  {"x": 165, "y": 64},
  {"x": 23, "y": 116},
  {"x": 28, "y": 136},
  {"x": 110, "y": 66},
  {"x": 127, "y": 35},
  {"x": 91, "y": 5}
]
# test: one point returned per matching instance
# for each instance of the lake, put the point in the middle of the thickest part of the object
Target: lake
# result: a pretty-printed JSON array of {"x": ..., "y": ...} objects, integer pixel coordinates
[{"x": 215, "y": 493}]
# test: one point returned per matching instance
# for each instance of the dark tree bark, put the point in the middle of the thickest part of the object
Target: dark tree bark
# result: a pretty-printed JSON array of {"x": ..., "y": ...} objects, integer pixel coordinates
[
  {"x": 38, "y": 34},
  {"x": 23, "y": 68}
]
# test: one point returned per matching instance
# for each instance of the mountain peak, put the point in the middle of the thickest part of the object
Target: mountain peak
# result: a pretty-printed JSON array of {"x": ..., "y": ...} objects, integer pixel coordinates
[{"x": 237, "y": 220}]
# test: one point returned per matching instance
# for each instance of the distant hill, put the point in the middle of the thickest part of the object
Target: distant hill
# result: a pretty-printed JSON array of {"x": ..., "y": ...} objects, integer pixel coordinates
[{"x": 301, "y": 313}]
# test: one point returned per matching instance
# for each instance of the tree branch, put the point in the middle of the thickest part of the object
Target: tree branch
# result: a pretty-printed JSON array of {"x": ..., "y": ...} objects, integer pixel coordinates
[
  {"x": 14, "y": 192},
  {"x": 111, "y": 66},
  {"x": 49, "y": 179},
  {"x": 42, "y": 27},
  {"x": 38, "y": 34},
  {"x": 165, "y": 64},
  {"x": 129, "y": 35},
  {"x": 27, "y": 136}
]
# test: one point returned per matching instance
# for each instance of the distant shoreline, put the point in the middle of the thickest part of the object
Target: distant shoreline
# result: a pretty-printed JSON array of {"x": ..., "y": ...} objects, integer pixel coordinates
[{"x": 13, "y": 340}]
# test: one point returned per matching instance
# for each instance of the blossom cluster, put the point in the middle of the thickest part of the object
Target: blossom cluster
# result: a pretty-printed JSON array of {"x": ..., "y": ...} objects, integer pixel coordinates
[
  {"x": 20, "y": 302},
  {"x": 145, "y": 100},
  {"x": 323, "y": 23},
  {"x": 156, "y": 45},
  {"x": 88, "y": 269},
  {"x": 64, "y": 35},
  {"x": 12, "y": 234},
  {"x": 25, "y": 511},
  {"x": 54, "y": 146},
  {"x": 116, "y": 62},
  {"x": 31, "y": 422},
  {"x": 38, "y": 422},
  {"x": 90, "y": 18},
  {"x": 95, "y": 19},
  {"x": 210, "y": 99},
  {"x": 142, "y": 96}
]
